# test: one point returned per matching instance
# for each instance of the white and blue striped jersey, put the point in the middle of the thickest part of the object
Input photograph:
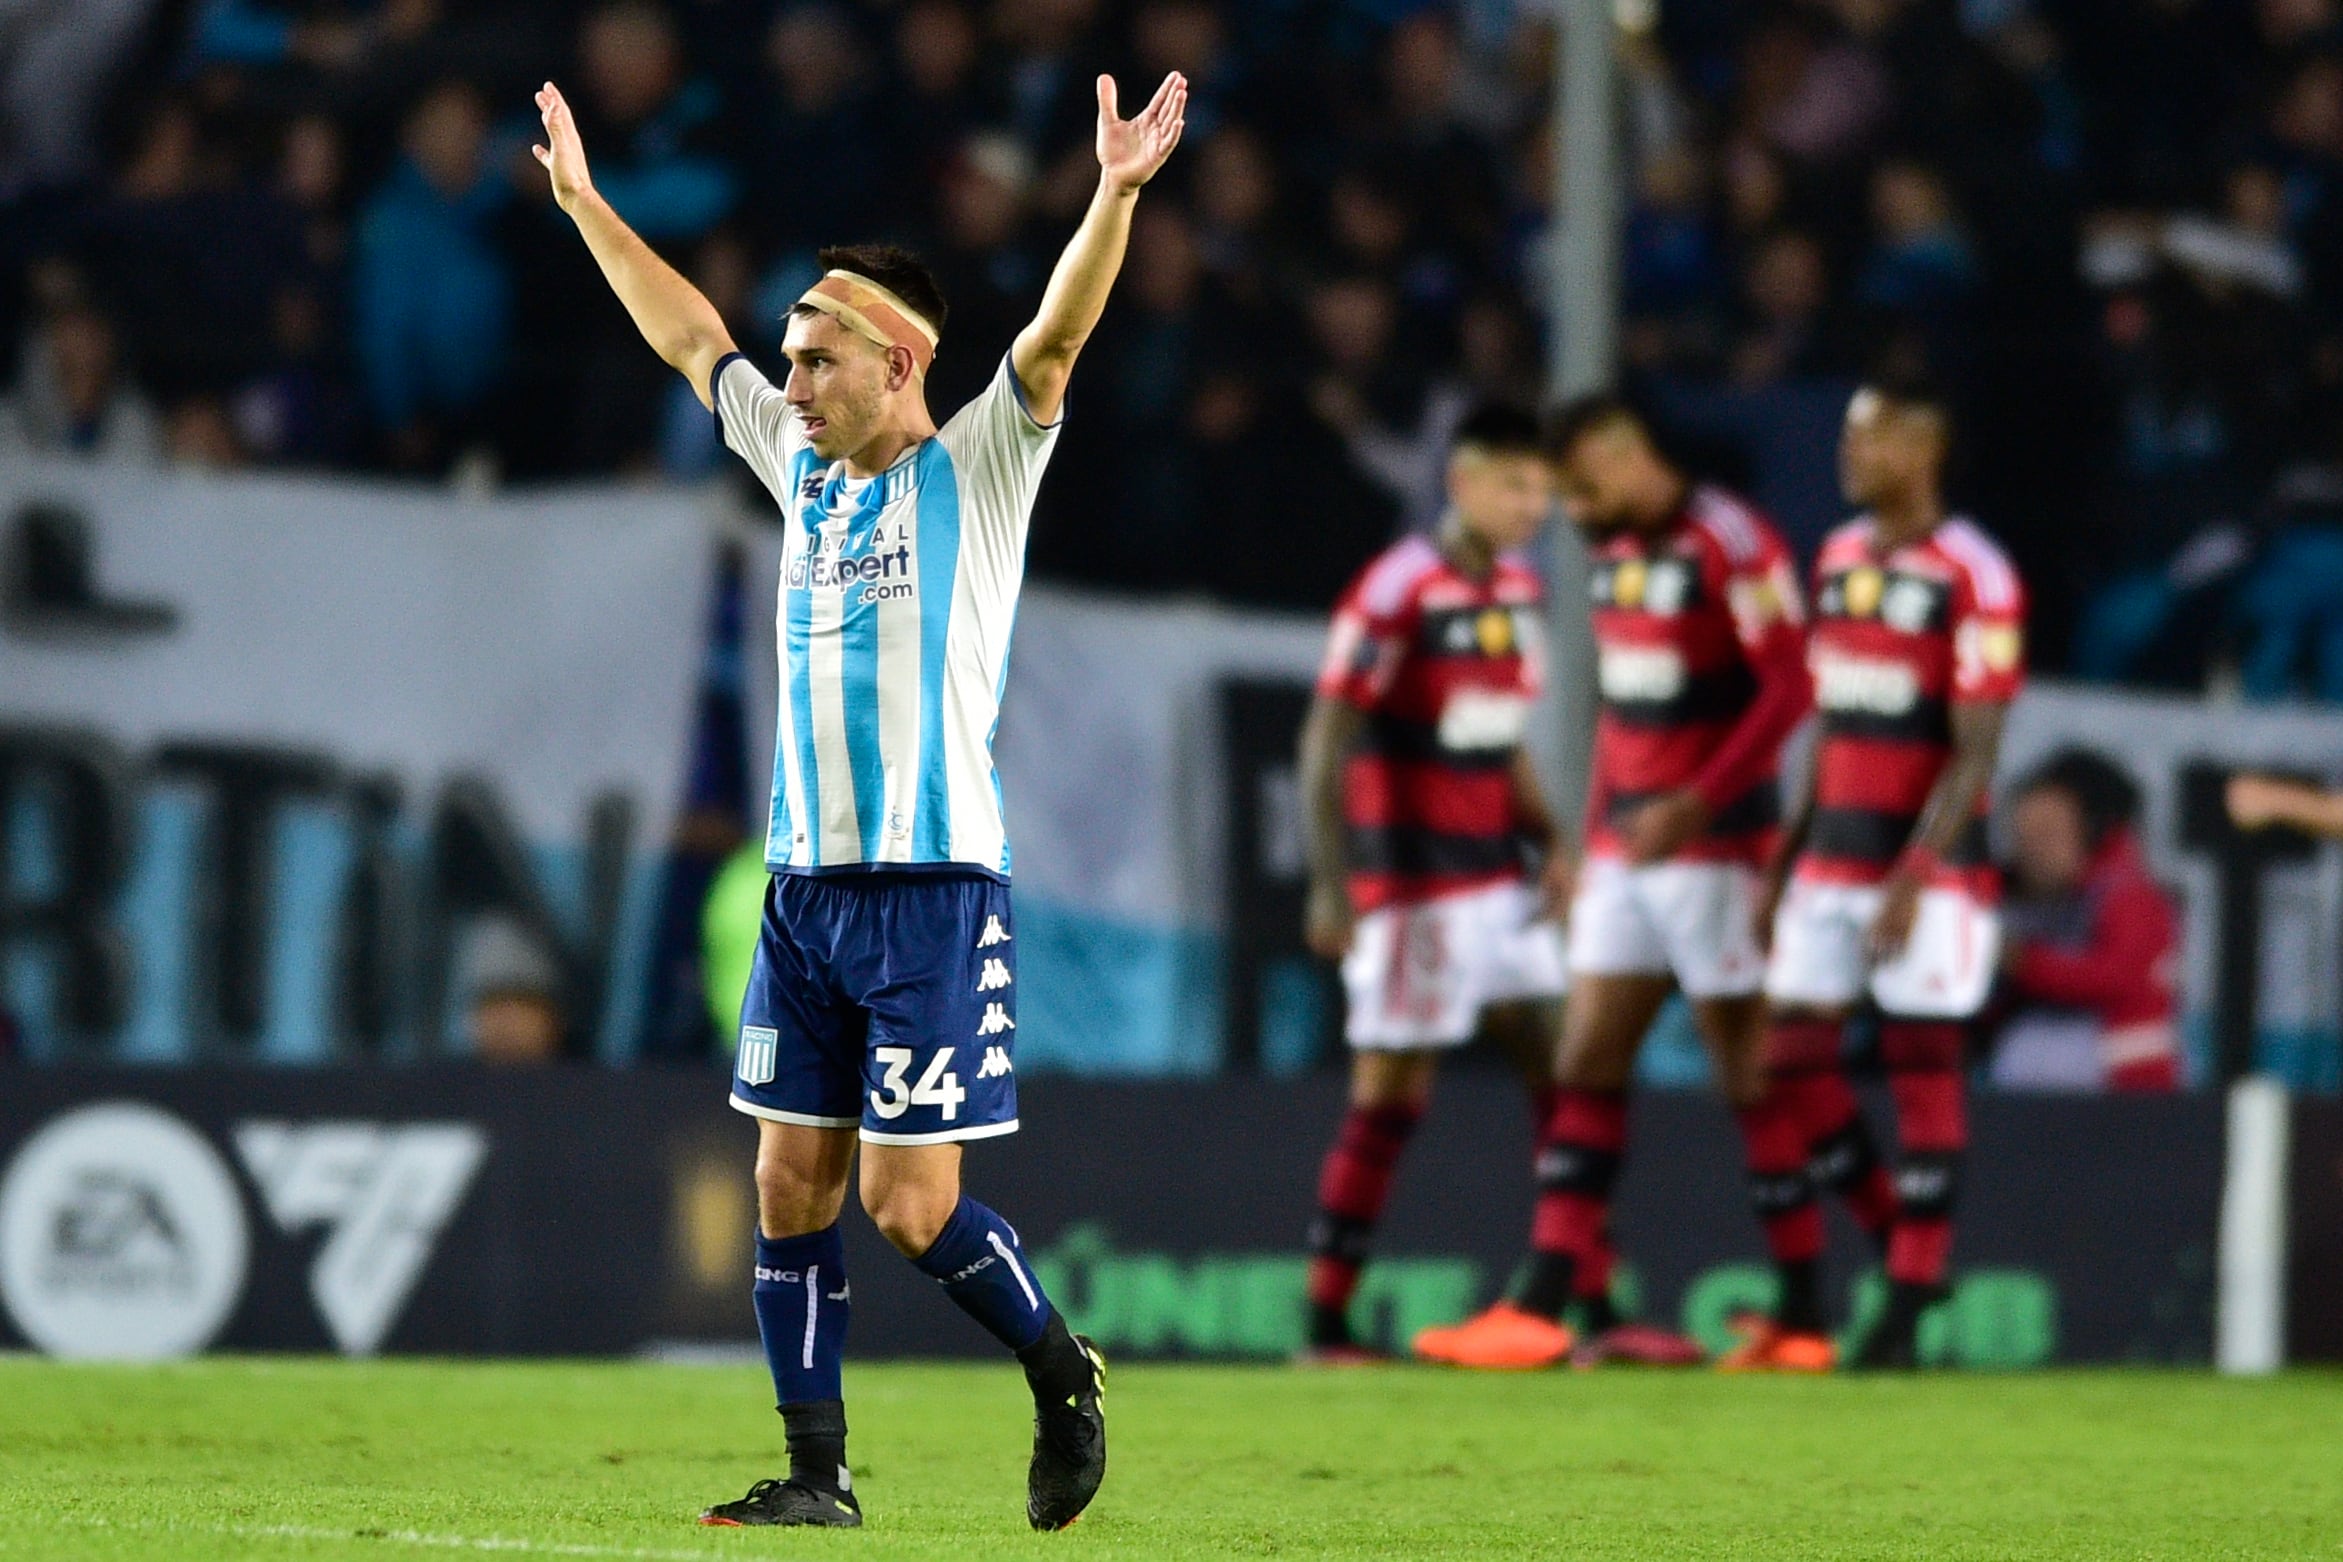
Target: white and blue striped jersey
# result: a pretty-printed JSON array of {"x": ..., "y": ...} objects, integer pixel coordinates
[{"x": 898, "y": 594}]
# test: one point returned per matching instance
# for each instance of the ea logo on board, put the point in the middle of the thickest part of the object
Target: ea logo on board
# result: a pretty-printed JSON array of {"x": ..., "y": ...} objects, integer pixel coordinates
[{"x": 121, "y": 1235}]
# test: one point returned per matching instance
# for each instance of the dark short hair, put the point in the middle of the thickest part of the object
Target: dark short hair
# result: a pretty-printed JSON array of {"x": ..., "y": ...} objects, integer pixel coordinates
[
  {"x": 1912, "y": 389},
  {"x": 1584, "y": 415},
  {"x": 1495, "y": 428},
  {"x": 2104, "y": 792},
  {"x": 897, "y": 270}
]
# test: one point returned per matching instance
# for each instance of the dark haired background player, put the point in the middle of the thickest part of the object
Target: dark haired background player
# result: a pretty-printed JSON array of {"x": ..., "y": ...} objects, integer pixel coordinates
[
  {"x": 1420, "y": 799},
  {"x": 880, "y": 1018},
  {"x": 1701, "y": 666},
  {"x": 1885, "y": 889}
]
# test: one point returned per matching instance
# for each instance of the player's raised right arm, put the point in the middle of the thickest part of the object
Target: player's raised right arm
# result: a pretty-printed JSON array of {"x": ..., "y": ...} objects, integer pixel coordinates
[{"x": 675, "y": 318}]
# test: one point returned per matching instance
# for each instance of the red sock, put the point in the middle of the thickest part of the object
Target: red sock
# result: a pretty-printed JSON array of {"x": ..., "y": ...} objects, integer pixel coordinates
[
  {"x": 1353, "y": 1185},
  {"x": 1592, "y": 1276},
  {"x": 1932, "y": 1130},
  {"x": 1804, "y": 1055},
  {"x": 1779, "y": 1186},
  {"x": 1578, "y": 1164}
]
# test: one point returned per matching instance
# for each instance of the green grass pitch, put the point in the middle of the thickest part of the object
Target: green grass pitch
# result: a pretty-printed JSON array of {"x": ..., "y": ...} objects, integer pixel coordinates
[{"x": 295, "y": 1459}]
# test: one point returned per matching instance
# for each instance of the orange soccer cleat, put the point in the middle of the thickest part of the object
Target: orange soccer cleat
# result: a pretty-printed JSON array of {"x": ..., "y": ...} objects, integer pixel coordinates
[
  {"x": 1505, "y": 1338},
  {"x": 1768, "y": 1347}
]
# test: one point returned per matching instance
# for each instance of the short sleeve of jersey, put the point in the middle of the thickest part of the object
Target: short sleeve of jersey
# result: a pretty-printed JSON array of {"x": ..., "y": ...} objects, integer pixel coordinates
[
  {"x": 998, "y": 452},
  {"x": 1989, "y": 635},
  {"x": 1761, "y": 591},
  {"x": 756, "y": 423},
  {"x": 1363, "y": 651}
]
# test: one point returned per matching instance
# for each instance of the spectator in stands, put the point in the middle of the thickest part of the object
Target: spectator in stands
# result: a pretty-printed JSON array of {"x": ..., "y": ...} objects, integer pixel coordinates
[
  {"x": 1921, "y": 265},
  {"x": 432, "y": 293},
  {"x": 937, "y": 102},
  {"x": 2091, "y": 940},
  {"x": 511, "y": 996},
  {"x": 661, "y": 171},
  {"x": 1786, "y": 327},
  {"x": 256, "y": 32},
  {"x": 55, "y": 65},
  {"x": 203, "y": 438},
  {"x": 72, "y": 398},
  {"x": 299, "y": 410},
  {"x": 1236, "y": 214},
  {"x": 818, "y": 145}
]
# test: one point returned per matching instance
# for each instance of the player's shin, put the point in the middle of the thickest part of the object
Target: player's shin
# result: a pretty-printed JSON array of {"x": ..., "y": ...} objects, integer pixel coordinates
[
  {"x": 1353, "y": 1185},
  {"x": 1782, "y": 1193},
  {"x": 1924, "y": 1074},
  {"x": 1803, "y": 1068},
  {"x": 802, "y": 1302},
  {"x": 1578, "y": 1165},
  {"x": 982, "y": 1267}
]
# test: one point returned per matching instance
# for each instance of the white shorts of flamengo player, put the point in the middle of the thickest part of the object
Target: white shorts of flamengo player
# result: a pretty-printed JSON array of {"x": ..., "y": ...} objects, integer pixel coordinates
[
  {"x": 1822, "y": 954},
  {"x": 1419, "y": 975},
  {"x": 1694, "y": 921}
]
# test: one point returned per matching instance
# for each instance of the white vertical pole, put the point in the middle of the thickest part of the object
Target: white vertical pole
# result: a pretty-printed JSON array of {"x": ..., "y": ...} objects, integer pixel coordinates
[
  {"x": 2250, "y": 1319},
  {"x": 1582, "y": 322}
]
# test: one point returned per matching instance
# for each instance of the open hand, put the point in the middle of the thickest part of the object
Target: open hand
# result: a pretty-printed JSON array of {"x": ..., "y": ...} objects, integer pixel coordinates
[
  {"x": 1131, "y": 150},
  {"x": 1657, "y": 830},
  {"x": 1330, "y": 921},
  {"x": 562, "y": 153},
  {"x": 1899, "y": 910}
]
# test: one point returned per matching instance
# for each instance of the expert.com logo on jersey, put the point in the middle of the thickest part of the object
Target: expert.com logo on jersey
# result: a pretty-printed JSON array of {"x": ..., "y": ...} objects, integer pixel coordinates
[{"x": 125, "y": 1234}]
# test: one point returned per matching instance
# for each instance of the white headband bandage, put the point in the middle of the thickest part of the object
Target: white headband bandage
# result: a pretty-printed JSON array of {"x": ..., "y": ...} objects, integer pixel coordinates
[{"x": 871, "y": 312}]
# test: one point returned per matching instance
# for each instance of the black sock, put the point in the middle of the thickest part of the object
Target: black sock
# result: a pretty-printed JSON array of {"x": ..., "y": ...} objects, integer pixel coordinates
[
  {"x": 1055, "y": 1366},
  {"x": 816, "y": 1430},
  {"x": 1799, "y": 1306},
  {"x": 1596, "y": 1314},
  {"x": 1546, "y": 1289},
  {"x": 1906, "y": 1302},
  {"x": 1329, "y": 1326}
]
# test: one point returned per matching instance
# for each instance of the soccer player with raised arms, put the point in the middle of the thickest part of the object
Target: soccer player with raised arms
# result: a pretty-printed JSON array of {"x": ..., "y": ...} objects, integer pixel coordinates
[{"x": 881, "y": 1010}]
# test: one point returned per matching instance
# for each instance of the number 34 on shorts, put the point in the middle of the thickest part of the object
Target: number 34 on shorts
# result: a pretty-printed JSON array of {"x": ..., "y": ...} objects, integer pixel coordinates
[{"x": 938, "y": 1086}]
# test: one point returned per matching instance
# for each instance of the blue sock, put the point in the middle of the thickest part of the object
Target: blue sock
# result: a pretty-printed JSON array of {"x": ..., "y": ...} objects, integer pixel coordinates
[
  {"x": 801, "y": 1300},
  {"x": 982, "y": 1267}
]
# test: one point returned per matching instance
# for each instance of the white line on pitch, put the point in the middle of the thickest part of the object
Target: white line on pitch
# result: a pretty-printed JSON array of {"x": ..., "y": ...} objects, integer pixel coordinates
[{"x": 405, "y": 1537}]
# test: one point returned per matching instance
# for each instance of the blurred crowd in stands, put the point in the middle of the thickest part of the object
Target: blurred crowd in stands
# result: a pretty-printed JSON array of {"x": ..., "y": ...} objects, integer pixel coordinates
[{"x": 307, "y": 233}]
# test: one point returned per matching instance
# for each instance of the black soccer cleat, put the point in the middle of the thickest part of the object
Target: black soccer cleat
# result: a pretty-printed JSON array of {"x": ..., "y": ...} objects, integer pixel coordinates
[
  {"x": 791, "y": 1503},
  {"x": 1891, "y": 1347},
  {"x": 1069, "y": 1450}
]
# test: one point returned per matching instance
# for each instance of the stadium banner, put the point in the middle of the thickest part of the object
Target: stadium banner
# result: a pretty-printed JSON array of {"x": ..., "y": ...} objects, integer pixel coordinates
[
  {"x": 273, "y": 750},
  {"x": 152, "y": 1213},
  {"x": 2314, "y": 1232}
]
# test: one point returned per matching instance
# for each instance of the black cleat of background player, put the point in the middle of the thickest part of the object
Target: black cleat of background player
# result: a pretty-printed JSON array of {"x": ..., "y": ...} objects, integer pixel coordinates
[
  {"x": 791, "y": 1503},
  {"x": 1069, "y": 1450},
  {"x": 1891, "y": 1347}
]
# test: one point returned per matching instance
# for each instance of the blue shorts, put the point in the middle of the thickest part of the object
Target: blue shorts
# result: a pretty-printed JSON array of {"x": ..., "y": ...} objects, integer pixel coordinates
[{"x": 885, "y": 1001}]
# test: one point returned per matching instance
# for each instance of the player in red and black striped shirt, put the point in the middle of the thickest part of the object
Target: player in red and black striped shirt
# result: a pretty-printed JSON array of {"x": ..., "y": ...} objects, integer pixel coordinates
[
  {"x": 1918, "y": 648},
  {"x": 1700, "y": 655},
  {"x": 1422, "y": 811}
]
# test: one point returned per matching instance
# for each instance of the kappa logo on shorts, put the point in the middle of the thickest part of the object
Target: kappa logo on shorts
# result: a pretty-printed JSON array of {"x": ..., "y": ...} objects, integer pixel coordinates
[
  {"x": 994, "y": 934},
  {"x": 996, "y": 1063},
  {"x": 996, "y": 1020},
  {"x": 994, "y": 977},
  {"x": 760, "y": 1047}
]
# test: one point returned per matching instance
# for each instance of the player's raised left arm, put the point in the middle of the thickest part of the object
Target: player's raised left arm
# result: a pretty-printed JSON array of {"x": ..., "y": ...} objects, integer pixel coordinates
[{"x": 1130, "y": 151}]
